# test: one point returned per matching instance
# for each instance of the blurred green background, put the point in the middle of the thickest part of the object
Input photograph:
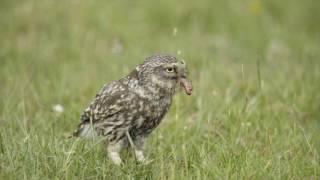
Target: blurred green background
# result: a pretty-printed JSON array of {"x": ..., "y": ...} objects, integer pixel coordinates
[{"x": 254, "y": 114}]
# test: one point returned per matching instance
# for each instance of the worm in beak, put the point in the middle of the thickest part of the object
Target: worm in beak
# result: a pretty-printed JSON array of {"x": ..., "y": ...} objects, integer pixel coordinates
[{"x": 187, "y": 86}]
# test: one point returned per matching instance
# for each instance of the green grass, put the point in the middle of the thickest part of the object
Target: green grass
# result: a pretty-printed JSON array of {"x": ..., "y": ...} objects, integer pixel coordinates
[{"x": 255, "y": 66}]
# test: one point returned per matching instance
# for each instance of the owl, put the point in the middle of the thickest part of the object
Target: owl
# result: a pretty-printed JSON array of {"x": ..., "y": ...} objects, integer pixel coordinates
[{"x": 126, "y": 111}]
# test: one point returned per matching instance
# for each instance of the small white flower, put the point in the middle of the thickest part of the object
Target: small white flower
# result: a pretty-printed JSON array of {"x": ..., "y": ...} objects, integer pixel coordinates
[
  {"x": 58, "y": 108},
  {"x": 183, "y": 147},
  {"x": 179, "y": 52},
  {"x": 175, "y": 31},
  {"x": 117, "y": 47},
  {"x": 160, "y": 137}
]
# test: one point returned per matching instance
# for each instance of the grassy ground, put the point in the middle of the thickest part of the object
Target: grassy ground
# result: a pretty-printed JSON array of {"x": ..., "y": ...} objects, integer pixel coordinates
[{"x": 255, "y": 66}]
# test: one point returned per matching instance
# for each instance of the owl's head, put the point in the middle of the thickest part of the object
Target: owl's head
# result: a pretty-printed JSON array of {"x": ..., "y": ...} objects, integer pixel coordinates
[{"x": 165, "y": 73}]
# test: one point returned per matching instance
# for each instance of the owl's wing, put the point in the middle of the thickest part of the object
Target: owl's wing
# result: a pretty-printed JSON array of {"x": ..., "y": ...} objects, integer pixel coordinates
[
  {"x": 111, "y": 100},
  {"x": 111, "y": 106}
]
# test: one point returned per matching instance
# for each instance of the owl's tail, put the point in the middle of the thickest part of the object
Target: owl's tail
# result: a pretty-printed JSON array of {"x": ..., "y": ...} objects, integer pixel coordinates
[{"x": 86, "y": 127}]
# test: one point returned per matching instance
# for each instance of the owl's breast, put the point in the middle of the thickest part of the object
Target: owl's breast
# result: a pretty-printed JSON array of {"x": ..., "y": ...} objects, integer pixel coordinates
[{"x": 152, "y": 116}]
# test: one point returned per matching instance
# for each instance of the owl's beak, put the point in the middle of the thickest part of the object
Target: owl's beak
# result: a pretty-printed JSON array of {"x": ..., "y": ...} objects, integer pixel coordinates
[{"x": 186, "y": 84}]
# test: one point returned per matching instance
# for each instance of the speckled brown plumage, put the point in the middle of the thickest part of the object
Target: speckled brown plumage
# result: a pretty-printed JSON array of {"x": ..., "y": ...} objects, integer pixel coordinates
[{"x": 135, "y": 104}]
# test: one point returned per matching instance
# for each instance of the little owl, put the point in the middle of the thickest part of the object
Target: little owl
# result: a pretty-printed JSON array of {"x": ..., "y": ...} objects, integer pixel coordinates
[{"x": 126, "y": 111}]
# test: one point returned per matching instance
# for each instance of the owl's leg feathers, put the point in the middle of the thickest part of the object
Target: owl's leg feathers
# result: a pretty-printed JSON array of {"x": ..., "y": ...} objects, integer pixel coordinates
[
  {"x": 139, "y": 155},
  {"x": 139, "y": 148},
  {"x": 114, "y": 152},
  {"x": 138, "y": 145}
]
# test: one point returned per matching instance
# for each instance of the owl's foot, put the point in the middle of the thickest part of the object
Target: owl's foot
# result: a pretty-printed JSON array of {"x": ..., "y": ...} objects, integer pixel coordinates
[
  {"x": 114, "y": 152},
  {"x": 115, "y": 157},
  {"x": 140, "y": 157}
]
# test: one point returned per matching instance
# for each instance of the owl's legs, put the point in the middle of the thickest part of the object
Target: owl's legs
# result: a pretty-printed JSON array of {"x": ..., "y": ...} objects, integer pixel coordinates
[
  {"x": 139, "y": 148},
  {"x": 114, "y": 149}
]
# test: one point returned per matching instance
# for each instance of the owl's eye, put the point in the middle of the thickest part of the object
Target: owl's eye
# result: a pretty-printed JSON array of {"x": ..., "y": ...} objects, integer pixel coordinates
[{"x": 170, "y": 70}]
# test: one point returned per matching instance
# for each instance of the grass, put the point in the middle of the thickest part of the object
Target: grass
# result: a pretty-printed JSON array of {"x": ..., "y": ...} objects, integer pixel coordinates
[{"x": 254, "y": 114}]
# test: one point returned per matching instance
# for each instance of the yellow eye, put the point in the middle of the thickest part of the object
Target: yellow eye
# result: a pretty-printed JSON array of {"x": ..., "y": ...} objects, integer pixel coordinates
[{"x": 169, "y": 70}]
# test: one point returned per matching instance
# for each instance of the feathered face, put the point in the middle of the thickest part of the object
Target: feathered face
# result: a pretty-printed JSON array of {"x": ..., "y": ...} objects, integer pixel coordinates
[{"x": 166, "y": 73}]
